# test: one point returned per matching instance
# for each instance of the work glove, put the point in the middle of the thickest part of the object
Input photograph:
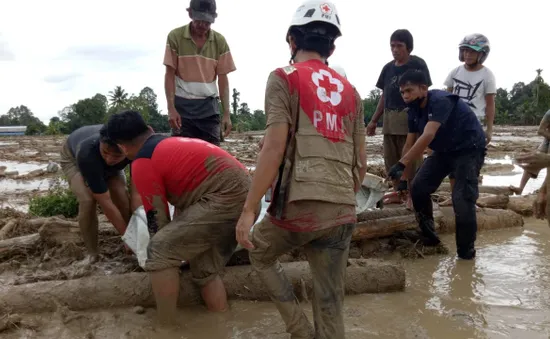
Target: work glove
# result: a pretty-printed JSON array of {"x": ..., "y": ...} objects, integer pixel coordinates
[
  {"x": 396, "y": 171},
  {"x": 402, "y": 186}
]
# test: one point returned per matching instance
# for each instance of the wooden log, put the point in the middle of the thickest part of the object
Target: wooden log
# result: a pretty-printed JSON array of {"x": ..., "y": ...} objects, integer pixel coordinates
[
  {"x": 487, "y": 219},
  {"x": 18, "y": 245},
  {"x": 241, "y": 282},
  {"x": 55, "y": 230},
  {"x": 387, "y": 221},
  {"x": 522, "y": 205},
  {"x": 8, "y": 227},
  {"x": 505, "y": 190},
  {"x": 499, "y": 201}
]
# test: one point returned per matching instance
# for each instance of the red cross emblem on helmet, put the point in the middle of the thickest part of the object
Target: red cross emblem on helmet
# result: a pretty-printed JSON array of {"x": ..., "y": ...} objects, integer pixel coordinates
[{"x": 326, "y": 9}]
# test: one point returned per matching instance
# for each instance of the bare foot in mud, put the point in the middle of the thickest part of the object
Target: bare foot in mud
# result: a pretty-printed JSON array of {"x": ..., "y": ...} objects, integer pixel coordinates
[{"x": 516, "y": 190}]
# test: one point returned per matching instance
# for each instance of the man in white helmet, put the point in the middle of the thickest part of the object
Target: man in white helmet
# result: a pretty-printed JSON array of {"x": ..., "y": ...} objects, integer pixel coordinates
[
  {"x": 474, "y": 82},
  {"x": 313, "y": 158}
]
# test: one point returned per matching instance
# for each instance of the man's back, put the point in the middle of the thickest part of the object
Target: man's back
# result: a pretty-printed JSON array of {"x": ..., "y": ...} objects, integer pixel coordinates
[
  {"x": 183, "y": 165},
  {"x": 81, "y": 134},
  {"x": 325, "y": 112}
]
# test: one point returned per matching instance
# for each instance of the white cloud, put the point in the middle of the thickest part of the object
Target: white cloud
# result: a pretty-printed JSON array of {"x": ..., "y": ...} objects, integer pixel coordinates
[{"x": 62, "y": 51}]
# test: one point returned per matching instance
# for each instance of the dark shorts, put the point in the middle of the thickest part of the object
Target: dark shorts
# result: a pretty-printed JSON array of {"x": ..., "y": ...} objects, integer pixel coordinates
[
  {"x": 205, "y": 121},
  {"x": 207, "y": 129}
]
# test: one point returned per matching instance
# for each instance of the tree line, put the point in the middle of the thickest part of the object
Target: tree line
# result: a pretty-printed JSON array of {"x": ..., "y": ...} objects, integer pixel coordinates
[{"x": 524, "y": 104}]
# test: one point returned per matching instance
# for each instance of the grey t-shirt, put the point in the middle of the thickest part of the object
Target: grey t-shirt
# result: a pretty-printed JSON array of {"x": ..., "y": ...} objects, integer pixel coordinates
[{"x": 84, "y": 145}]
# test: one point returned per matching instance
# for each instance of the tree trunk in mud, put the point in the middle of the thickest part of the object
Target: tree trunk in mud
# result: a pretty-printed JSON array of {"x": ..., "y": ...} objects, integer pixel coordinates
[
  {"x": 241, "y": 282},
  {"x": 523, "y": 204},
  {"x": 8, "y": 227},
  {"x": 387, "y": 221},
  {"x": 18, "y": 245},
  {"x": 499, "y": 201},
  {"x": 504, "y": 190},
  {"x": 487, "y": 219}
]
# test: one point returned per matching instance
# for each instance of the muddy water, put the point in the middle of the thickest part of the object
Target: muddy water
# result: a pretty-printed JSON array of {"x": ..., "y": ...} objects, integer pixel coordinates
[{"x": 504, "y": 293}]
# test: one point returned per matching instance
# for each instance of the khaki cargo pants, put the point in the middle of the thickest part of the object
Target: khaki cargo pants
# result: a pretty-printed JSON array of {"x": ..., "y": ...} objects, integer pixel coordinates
[
  {"x": 87, "y": 205},
  {"x": 203, "y": 233},
  {"x": 327, "y": 253},
  {"x": 395, "y": 130}
]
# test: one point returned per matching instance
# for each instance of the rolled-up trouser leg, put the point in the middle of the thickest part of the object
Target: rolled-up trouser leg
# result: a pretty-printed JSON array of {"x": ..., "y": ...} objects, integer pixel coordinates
[
  {"x": 464, "y": 195},
  {"x": 327, "y": 258},
  {"x": 428, "y": 178},
  {"x": 270, "y": 242}
]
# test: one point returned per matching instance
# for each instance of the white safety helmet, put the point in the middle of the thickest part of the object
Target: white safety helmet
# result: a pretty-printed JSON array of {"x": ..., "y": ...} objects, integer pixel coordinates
[
  {"x": 316, "y": 10},
  {"x": 340, "y": 70}
]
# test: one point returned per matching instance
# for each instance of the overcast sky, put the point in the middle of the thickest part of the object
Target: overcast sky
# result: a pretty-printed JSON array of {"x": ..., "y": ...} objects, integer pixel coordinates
[{"x": 55, "y": 52}]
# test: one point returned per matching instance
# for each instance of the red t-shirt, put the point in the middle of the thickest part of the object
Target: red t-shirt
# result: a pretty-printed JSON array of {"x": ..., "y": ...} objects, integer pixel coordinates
[{"x": 172, "y": 167}]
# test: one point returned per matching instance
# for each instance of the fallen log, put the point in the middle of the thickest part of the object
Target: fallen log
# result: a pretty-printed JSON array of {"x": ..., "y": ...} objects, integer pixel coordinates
[
  {"x": 387, "y": 221},
  {"x": 8, "y": 227},
  {"x": 499, "y": 201},
  {"x": 487, "y": 219},
  {"x": 522, "y": 205},
  {"x": 504, "y": 190},
  {"x": 18, "y": 245},
  {"x": 55, "y": 230},
  {"x": 497, "y": 169},
  {"x": 241, "y": 282}
]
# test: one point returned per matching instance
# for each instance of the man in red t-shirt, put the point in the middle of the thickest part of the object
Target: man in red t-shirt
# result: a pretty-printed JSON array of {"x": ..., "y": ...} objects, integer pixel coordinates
[{"x": 206, "y": 185}]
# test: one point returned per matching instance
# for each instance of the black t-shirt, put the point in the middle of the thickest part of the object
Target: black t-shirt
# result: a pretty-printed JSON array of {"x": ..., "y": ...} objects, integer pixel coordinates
[
  {"x": 460, "y": 129},
  {"x": 84, "y": 144},
  {"x": 388, "y": 81}
]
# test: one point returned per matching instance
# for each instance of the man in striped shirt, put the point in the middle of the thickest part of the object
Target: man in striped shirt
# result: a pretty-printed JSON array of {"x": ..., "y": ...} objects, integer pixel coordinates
[{"x": 196, "y": 56}]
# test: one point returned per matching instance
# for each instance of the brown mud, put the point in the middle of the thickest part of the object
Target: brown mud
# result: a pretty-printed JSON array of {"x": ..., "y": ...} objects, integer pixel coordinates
[{"x": 51, "y": 251}]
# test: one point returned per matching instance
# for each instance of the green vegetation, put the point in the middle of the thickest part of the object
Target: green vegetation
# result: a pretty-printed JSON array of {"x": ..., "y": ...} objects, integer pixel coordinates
[
  {"x": 58, "y": 200},
  {"x": 524, "y": 104}
]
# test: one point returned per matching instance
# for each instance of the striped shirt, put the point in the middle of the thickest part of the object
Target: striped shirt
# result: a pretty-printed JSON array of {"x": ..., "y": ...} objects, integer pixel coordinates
[{"x": 197, "y": 70}]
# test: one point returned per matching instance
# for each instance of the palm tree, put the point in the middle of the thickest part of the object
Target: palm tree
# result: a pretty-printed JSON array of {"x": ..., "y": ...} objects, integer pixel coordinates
[{"x": 118, "y": 97}]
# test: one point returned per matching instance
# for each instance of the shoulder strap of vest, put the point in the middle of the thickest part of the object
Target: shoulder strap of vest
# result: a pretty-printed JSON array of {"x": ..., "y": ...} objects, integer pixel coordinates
[{"x": 292, "y": 77}]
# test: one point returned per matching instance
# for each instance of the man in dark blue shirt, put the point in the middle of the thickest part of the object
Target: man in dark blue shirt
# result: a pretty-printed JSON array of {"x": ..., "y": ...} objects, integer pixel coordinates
[{"x": 441, "y": 121}]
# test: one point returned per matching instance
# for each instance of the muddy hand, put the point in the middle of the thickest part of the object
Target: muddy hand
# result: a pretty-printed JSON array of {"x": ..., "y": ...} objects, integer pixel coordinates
[
  {"x": 226, "y": 124},
  {"x": 534, "y": 161},
  {"x": 371, "y": 129},
  {"x": 174, "y": 119},
  {"x": 243, "y": 229}
]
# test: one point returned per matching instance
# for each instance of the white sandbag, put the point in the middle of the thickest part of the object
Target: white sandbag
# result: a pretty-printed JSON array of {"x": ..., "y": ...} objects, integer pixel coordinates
[
  {"x": 372, "y": 190},
  {"x": 137, "y": 235}
]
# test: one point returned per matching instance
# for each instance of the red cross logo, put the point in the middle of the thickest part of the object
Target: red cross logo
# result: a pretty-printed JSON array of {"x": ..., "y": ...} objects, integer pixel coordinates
[
  {"x": 327, "y": 85},
  {"x": 326, "y": 9}
]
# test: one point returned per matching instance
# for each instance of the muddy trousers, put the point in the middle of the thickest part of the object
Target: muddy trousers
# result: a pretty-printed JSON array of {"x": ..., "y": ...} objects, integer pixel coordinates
[
  {"x": 466, "y": 166},
  {"x": 327, "y": 253},
  {"x": 393, "y": 152}
]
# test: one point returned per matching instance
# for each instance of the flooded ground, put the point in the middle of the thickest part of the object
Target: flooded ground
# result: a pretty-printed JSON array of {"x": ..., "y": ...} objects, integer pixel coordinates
[{"x": 504, "y": 293}]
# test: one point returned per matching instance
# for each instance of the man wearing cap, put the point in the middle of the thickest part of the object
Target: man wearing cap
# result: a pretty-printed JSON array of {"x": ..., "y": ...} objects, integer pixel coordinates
[{"x": 195, "y": 57}]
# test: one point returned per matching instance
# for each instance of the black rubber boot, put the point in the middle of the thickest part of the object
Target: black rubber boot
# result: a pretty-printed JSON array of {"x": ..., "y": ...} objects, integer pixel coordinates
[
  {"x": 427, "y": 228},
  {"x": 466, "y": 252}
]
